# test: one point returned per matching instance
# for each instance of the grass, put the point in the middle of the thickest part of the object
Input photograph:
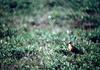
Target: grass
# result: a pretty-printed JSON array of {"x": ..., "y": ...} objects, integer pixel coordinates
[
  {"x": 34, "y": 35},
  {"x": 44, "y": 49}
]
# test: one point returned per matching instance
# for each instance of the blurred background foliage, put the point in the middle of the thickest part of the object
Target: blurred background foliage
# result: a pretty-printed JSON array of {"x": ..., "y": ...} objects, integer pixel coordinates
[{"x": 34, "y": 33}]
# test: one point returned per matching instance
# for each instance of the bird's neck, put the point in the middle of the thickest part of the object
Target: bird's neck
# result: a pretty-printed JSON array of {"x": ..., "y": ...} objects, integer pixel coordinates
[{"x": 70, "y": 44}]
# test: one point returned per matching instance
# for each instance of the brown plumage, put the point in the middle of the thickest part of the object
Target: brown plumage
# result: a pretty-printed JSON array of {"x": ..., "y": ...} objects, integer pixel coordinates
[{"x": 73, "y": 49}]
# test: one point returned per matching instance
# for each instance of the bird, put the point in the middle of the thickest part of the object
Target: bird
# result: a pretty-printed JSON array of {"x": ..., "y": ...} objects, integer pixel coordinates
[{"x": 73, "y": 49}]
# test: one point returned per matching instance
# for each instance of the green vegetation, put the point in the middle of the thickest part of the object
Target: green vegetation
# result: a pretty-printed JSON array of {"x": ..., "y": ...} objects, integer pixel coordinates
[{"x": 34, "y": 34}]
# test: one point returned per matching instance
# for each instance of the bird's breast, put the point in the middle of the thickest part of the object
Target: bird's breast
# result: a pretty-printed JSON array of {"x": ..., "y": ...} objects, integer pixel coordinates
[{"x": 70, "y": 48}]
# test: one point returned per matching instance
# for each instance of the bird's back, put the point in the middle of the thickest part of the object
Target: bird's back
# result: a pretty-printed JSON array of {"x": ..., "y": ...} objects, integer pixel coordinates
[{"x": 73, "y": 49}]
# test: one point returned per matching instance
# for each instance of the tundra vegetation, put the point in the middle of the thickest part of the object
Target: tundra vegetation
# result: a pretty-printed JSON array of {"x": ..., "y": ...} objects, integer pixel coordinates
[{"x": 34, "y": 34}]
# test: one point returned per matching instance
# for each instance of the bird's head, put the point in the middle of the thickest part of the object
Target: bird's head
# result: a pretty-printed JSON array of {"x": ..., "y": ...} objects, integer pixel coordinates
[{"x": 69, "y": 42}]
